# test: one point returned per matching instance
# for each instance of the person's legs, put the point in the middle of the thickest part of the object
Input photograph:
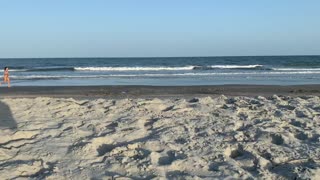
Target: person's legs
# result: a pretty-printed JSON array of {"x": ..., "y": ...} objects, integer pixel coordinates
[{"x": 6, "y": 80}]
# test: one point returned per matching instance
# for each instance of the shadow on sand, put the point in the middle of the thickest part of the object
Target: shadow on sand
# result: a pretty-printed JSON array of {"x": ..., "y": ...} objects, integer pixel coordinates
[{"x": 6, "y": 119}]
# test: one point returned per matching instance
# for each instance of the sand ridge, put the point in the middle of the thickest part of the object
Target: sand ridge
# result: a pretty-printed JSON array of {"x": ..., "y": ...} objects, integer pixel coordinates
[{"x": 205, "y": 138}]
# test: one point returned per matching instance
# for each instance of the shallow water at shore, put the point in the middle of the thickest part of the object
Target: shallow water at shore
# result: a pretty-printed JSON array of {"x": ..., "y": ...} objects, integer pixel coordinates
[{"x": 266, "y": 70}]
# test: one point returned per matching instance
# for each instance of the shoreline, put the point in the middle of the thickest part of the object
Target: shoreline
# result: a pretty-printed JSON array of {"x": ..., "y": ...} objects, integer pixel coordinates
[{"x": 137, "y": 91}]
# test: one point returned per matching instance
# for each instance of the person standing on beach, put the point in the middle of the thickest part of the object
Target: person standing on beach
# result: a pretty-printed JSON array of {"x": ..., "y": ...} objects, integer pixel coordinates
[{"x": 6, "y": 78}]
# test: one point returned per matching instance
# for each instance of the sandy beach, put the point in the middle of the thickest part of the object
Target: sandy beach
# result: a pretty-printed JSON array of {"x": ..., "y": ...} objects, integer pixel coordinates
[{"x": 145, "y": 132}]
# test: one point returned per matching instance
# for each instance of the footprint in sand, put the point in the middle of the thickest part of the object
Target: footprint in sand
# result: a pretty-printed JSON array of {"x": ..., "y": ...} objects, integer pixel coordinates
[
  {"x": 277, "y": 139},
  {"x": 234, "y": 152},
  {"x": 301, "y": 135},
  {"x": 105, "y": 148},
  {"x": 166, "y": 159},
  {"x": 149, "y": 123}
]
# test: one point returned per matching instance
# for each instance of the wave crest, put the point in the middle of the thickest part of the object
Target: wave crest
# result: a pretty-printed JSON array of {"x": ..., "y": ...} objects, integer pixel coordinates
[
  {"x": 133, "y": 68},
  {"x": 34, "y": 77},
  {"x": 168, "y": 68}
]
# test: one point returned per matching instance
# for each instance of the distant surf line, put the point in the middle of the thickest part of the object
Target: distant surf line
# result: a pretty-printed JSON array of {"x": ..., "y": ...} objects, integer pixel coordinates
[{"x": 157, "y": 75}]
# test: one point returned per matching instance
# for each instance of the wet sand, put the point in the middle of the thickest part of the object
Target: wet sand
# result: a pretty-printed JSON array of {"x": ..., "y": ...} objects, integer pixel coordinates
[{"x": 159, "y": 91}]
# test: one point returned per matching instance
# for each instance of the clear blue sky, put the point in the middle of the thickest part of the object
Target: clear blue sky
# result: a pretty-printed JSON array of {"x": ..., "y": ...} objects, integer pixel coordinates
[{"x": 105, "y": 28}]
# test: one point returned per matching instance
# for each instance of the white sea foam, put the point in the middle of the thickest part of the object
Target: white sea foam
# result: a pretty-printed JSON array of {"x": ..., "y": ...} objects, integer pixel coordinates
[
  {"x": 236, "y": 66},
  {"x": 14, "y": 70},
  {"x": 163, "y": 68},
  {"x": 133, "y": 68},
  {"x": 166, "y": 68},
  {"x": 161, "y": 75},
  {"x": 296, "y": 69}
]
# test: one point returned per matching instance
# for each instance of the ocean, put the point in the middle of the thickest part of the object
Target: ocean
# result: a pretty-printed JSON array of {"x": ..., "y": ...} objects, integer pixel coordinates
[{"x": 172, "y": 71}]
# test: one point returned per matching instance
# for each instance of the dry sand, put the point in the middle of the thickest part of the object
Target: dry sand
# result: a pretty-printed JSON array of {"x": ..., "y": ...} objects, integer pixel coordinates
[{"x": 200, "y": 138}]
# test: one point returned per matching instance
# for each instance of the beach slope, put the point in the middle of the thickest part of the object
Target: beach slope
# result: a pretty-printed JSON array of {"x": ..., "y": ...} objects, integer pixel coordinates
[{"x": 192, "y": 137}]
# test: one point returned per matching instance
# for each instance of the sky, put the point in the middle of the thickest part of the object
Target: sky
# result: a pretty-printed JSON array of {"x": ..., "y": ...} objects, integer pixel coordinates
[{"x": 163, "y": 28}]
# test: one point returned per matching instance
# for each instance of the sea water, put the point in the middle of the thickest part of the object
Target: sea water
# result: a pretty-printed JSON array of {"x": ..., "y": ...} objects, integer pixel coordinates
[{"x": 171, "y": 71}]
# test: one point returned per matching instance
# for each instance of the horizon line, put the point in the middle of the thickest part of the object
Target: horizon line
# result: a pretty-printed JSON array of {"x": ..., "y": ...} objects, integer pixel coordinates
[{"x": 121, "y": 57}]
